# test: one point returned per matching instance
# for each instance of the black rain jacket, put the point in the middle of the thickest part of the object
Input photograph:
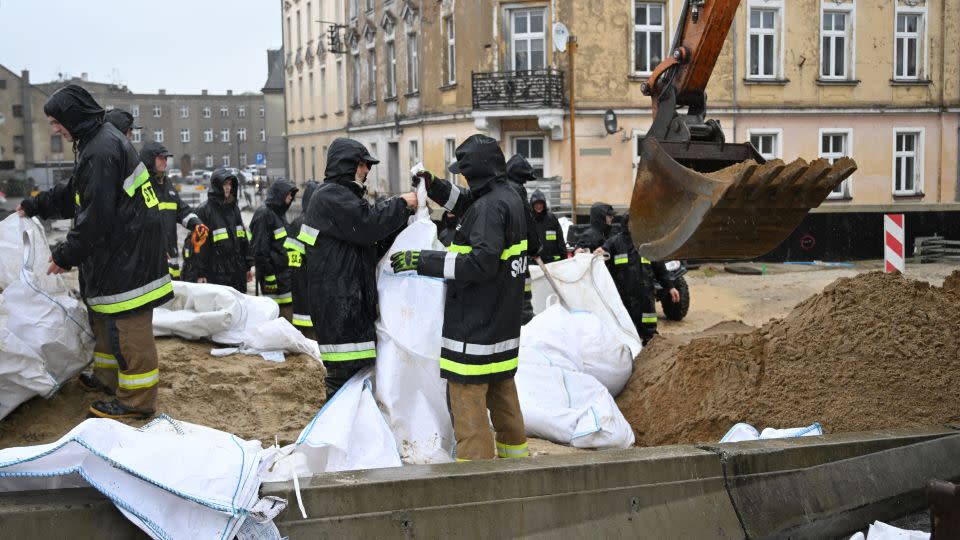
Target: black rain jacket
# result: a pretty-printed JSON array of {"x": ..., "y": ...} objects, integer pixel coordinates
[
  {"x": 117, "y": 235},
  {"x": 446, "y": 228},
  {"x": 634, "y": 276},
  {"x": 549, "y": 231},
  {"x": 225, "y": 255},
  {"x": 484, "y": 268},
  {"x": 296, "y": 259},
  {"x": 172, "y": 208},
  {"x": 123, "y": 121},
  {"x": 342, "y": 233},
  {"x": 269, "y": 230},
  {"x": 598, "y": 231}
]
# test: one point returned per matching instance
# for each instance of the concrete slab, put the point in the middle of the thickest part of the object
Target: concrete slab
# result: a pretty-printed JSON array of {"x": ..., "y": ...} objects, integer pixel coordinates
[{"x": 65, "y": 514}]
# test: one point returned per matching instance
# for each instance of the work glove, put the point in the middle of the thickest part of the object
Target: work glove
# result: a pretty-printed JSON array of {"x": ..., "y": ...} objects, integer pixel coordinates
[
  {"x": 201, "y": 229},
  {"x": 403, "y": 261},
  {"x": 425, "y": 176}
]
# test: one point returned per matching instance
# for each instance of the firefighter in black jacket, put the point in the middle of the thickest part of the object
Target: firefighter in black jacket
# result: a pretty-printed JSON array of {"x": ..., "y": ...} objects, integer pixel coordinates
[
  {"x": 484, "y": 270},
  {"x": 519, "y": 172},
  {"x": 545, "y": 223},
  {"x": 269, "y": 229},
  {"x": 634, "y": 276},
  {"x": 123, "y": 121},
  {"x": 296, "y": 260},
  {"x": 172, "y": 209},
  {"x": 342, "y": 232},
  {"x": 116, "y": 240},
  {"x": 223, "y": 257},
  {"x": 447, "y": 227},
  {"x": 601, "y": 220}
]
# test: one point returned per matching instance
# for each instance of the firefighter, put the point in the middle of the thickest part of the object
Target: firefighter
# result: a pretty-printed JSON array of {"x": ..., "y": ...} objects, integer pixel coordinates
[
  {"x": 123, "y": 121},
  {"x": 447, "y": 227},
  {"x": 344, "y": 236},
  {"x": 553, "y": 246},
  {"x": 269, "y": 229},
  {"x": 221, "y": 256},
  {"x": 296, "y": 256},
  {"x": 172, "y": 209},
  {"x": 601, "y": 220},
  {"x": 484, "y": 270},
  {"x": 519, "y": 172},
  {"x": 117, "y": 242},
  {"x": 635, "y": 278}
]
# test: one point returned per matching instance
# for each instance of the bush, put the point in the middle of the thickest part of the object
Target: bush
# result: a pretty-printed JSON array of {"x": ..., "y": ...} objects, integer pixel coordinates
[{"x": 18, "y": 187}]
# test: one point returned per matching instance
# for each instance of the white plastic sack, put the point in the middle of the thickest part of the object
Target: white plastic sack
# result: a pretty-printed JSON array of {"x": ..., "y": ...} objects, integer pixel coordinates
[
  {"x": 580, "y": 341},
  {"x": 408, "y": 386},
  {"x": 745, "y": 432},
  {"x": 45, "y": 336},
  {"x": 586, "y": 285},
  {"x": 881, "y": 531},
  {"x": 216, "y": 312},
  {"x": 171, "y": 479}
]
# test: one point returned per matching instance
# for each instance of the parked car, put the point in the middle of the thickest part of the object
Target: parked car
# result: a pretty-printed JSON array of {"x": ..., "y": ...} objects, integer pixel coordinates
[
  {"x": 174, "y": 173},
  {"x": 197, "y": 173}
]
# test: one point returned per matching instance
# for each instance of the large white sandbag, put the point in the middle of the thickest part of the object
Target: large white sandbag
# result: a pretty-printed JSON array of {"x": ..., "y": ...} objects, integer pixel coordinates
[{"x": 216, "y": 312}]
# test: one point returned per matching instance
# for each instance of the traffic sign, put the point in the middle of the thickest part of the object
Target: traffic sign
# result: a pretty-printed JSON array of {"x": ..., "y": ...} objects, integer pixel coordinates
[{"x": 261, "y": 159}]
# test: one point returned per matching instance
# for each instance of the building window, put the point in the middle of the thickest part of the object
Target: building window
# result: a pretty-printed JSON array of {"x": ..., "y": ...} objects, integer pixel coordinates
[
  {"x": 531, "y": 148},
  {"x": 310, "y": 22},
  {"x": 242, "y": 160},
  {"x": 261, "y": 113},
  {"x": 184, "y": 135},
  {"x": 767, "y": 142},
  {"x": 648, "y": 32},
  {"x": 242, "y": 134},
  {"x": 241, "y": 112},
  {"x": 224, "y": 135},
  {"x": 226, "y": 160},
  {"x": 263, "y": 135},
  {"x": 313, "y": 162},
  {"x": 135, "y": 111},
  {"x": 449, "y": 156},
  {"x": 310, "y": 87},
  {"x": 371, "y": 75},
  {"x": 3, "y": 84},
  {"x": 353, "y": 9},
  {"x": 323, "y": 90},
  {"x": 414, "y": 156},
  {"x": 908, "y": 64},
  {"x": 391, "y": 68},
  {"x": 18, "y": 111},
  {"x": 451, "y": 63},
  {"x": 158, "y": 135},
  {"x": 208, "y": 162},
  {"x": 224, "y": 112},
  {"x": 56, "y": 144},
  {"x": 18, "y": 144},
  {"x": 836, "y": 45},
  {"x": 157, "y": 111},
  {"x": 413, "y": 64},
  {"x": 184, "y": 111},
  {"x": 303, "y": 163},
  {"x": 206, "y": 111},
  {"x": 137, "y": 136},
  {"x": 299, "y": 31},
  {"x": 907, "y": 163},
  {"x": 208, "y": 135},
  {"x": 340, "y": 83},
  {"x": 527, "y": 39},
  {"x": 764, "y": 47},
  {"x": 355, "y": 95},
  {"x": 835, "y": 144},
  {"x": 369, "y": 5},
  {"x": 293, "y": 162}
]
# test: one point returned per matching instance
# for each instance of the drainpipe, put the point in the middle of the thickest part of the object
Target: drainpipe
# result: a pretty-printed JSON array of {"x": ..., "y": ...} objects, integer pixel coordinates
[
  {"x": 943, "y": 64},
  {"x": 735, "y": 53},
  {"x": 572, "y": 48}
]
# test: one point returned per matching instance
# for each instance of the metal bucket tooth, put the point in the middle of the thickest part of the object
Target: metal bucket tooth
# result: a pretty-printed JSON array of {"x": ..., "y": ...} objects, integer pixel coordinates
[{"x": 739, "y": 212}]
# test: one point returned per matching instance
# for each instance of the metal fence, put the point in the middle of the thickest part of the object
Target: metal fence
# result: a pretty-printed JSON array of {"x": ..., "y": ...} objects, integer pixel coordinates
[{"x": 518, "y": 89}]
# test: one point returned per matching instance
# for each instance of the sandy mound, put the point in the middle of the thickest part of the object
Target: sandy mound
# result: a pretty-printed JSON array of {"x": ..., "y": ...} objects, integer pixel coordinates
[
  {"x": 868, "y": 352},
  {"x": 244, "y": 395},
  {"x": 952, "y": 283}
]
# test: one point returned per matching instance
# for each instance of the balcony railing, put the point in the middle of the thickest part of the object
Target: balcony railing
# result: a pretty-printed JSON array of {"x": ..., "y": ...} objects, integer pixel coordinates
[{"x": 542, "y": 88}]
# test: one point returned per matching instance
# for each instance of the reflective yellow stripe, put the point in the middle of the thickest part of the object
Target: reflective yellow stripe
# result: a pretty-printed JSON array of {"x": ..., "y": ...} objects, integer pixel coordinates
[
  {"x": 136, "y": 179},
  {"x": 551, "y": 237},
  {"x": 646, "y": 320},
  {"x": 270, "y": 278},
  {"x": 142, "y": 380},
  {"x": 644, "y": 260},
  {"x": 456, "y": 248},
  {"x": 515, "y": 250},
  {"x": 302, "y": 320},
  {"x": 219, "y": 237},
  {"x": 168, "y": 206},
  {"x": 308, "y": 234},
  {"x": 347, "y": 356},
  {"x": 461, "y": 460},
  {"x": 527, "y": 288},
  {"x": 478, "y": 370},
  {"x": 136, "y": 302},
  {"x": 104, "y": 361},
  {"x": 512, "y": 450},
  {"x": 620, "y": 260},
  {"x": 279, "y": 233},
  {"x": 556, "y": 257},
  {"x": 295, "y": 245},
  {"x": 174, "y": 272},
  {"x": 76, "y": 198}
]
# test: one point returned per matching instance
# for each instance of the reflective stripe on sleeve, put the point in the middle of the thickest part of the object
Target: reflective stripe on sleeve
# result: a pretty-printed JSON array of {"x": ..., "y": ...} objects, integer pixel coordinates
[
  {"x": 186, "y": 220},
  {"x": 457, "y": 248},
  {"x": 116, "y": 303},
  {"x": 308, "y": 235},
  {"x": 219, "y": 234},
  {"x": 452, "y": 199},
  {"x": 621, "y": 258},
  {"x": 168, "y": 206},
  {"x": 514, "y": 251},
  {"x": 279, "y": 233},
  {"x": 136, "y": 179},
  {"x": 450, "y": 265},
  {"x": 551, "y": 235},
  {"x": 294, "y": 244},
  {"x": 644, "y": 260},
  {"x": 142, "y": 380}
]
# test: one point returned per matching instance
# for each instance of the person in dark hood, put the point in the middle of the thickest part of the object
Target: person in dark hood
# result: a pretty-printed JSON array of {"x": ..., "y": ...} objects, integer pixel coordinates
[
  {"x": 296, "y": 256},
  {"x": 601, "y": 220},
  {"x": 483, "y": 268},
  {"x": 635, "y": 278},
  {"x": 447, "y": 227},
  {"x": 123, "y": 121},
  {"x": 172, "y": 208},
  {"x": 519, "y": 172},
  {"x": 220, "y": 254},
  {"x": 269, "y": 229},
  {"x": 548, "y": 229},
  {"x": 342, "y": 234},
  {"x": 117, "y": 242}
]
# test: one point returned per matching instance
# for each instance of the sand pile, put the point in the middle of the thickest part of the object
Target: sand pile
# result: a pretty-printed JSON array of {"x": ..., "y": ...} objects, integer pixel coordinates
[
  {"x": 244, "y": 395},
  {"x": 868, "y": 352}
]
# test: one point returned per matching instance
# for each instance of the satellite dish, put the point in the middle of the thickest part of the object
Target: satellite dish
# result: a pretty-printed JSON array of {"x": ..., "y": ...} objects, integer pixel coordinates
[{"x": 560, "y": 36}]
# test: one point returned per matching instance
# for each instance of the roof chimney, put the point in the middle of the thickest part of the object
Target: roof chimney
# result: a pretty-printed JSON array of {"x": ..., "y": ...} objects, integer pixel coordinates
[
  {"x": 83, "y": 76},
  {"x": 163, "y": 92},
  {"x": 229, "y": 92},
  {"x": 203, "y": 92}
]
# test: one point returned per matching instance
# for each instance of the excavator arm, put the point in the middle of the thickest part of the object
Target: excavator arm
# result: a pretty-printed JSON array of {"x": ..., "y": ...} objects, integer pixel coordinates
[{"x": 697, "y": 196}]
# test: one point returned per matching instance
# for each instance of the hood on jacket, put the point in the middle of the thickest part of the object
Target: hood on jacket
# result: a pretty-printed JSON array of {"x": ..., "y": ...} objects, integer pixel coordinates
[
  {"x": 149, "y": 153},
  {"x": 76, "y": 110},
  {"x": 308, "y": 189},
  {"x": 277, "y": 196},
  {"x": 342, "y": 158},
  {"x": 121, "y": 119},
  {"x": 598, "y": 215},
  {"x": 480, "y": 160},
  {"x": 217, "y": 180},
  {"x": 519, "y": 169},
  {"x": 538, "y": 196}
]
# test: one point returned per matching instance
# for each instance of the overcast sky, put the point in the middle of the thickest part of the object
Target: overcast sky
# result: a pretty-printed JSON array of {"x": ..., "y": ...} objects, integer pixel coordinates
[{"x": 182, "y": 46}]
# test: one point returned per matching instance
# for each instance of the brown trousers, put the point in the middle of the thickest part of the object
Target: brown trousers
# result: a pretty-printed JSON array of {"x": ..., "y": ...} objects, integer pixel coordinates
[
  {"x": 468, "y": 409},
  {"x": 136, "y": 375},
  {"x": 104, "y": 362},
  {"x": 286, "y": 311}
]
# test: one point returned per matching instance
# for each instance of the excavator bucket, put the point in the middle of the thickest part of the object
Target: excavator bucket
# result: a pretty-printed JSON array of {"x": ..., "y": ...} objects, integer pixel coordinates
[{"x": 706, "y": 200}]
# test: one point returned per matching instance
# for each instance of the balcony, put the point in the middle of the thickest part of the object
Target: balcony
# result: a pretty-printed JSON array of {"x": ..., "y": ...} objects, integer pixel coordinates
[{"x": 539, "y": 89}]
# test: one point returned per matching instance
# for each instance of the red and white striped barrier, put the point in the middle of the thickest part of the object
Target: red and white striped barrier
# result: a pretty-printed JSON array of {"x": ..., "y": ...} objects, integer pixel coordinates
[{"x": 893, "y": 242}]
